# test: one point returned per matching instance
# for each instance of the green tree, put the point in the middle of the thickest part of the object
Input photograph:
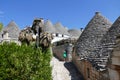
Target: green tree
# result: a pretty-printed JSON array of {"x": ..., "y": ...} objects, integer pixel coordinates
[{"x": 1, "y": 26}]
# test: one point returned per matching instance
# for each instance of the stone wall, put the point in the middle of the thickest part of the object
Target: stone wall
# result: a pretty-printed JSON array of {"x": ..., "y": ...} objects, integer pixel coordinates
[
  {"x": 58, "y": 51},
  {"x": 87, "y": 70}
]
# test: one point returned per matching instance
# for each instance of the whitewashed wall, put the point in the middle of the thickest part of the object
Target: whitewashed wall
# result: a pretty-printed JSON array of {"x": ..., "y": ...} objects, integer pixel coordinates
[{"x": 59, "y": 37}]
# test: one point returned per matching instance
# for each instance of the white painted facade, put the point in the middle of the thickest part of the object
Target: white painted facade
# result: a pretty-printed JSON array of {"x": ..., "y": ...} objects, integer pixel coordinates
[{"x": 59, "y": 37}]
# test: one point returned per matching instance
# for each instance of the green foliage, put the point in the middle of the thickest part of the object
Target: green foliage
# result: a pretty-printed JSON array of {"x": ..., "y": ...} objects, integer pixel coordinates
[
  {"x": 24, "y": 63},
  {"x": 1, "y": 26}
]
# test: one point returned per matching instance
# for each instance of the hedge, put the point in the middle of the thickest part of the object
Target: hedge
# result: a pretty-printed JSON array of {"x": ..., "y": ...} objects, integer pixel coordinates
[{"x": 24, "y": 63}]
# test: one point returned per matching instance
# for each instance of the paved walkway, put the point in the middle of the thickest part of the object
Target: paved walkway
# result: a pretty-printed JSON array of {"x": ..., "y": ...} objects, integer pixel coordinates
[{"x": 64, "y": 70}]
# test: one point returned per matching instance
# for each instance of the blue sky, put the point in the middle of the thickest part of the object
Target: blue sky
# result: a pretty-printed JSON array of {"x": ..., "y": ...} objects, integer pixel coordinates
[{"x": 71, "y": 13}]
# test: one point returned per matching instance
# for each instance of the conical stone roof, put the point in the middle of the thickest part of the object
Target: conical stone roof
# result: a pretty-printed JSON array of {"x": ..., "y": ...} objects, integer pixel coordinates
[
  {"x": 74, "y": 33},
  {"x": 48, "y": 27},
  {"x": 13, "y": 29},
  {"x": 109, "y": 39},
  {"x": 105, "y": 48},
  {"x": 92, "y": 35},
  {"x": 60, "y": 29}
]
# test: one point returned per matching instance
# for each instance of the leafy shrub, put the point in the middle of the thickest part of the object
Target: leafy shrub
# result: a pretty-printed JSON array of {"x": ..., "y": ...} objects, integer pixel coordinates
[{"x": 24, "y": 63}]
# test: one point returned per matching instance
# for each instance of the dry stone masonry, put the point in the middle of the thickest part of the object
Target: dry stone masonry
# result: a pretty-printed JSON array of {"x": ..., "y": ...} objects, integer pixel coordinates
[{"x": 98, "y": 49}]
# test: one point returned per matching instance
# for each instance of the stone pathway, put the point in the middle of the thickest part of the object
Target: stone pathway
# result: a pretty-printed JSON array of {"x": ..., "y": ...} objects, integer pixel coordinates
[{"x": 64, "y": 70}]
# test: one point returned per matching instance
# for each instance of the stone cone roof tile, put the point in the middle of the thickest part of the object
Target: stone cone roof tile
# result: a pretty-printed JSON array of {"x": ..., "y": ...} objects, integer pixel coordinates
[
  {"x": 60, "y": 29},
  {"x": 74, "y": 33},
  {"x": 13, "y": 29},
  {"x": 48, "y": 27},
  {"x": 109, "y": 39},
  {"x": 103, "y": 52},
  {"x": 112, "y": 33},
  {"x": 92, "y": 35}
]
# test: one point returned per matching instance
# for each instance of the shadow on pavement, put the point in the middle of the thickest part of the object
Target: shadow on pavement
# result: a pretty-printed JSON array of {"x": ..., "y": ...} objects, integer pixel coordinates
[{"x": 75, "y": 75}]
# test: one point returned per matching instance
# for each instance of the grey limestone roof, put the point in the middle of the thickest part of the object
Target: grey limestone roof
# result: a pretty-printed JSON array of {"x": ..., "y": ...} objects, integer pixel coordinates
[
  {"x": 61, "y": 29},
  {"x": 108, "y": 41},
  {"x": 48, "y": 27},
  {"x": 113, "y": 32},
  {"x": 92, "y": 35},
  {"x": 13, "y": 29},
  {"x": 107, "y": 44},
  {"x": 74, "y": 33}
]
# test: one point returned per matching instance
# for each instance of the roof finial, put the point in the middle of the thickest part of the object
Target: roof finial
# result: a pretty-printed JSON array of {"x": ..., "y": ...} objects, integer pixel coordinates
[{"x": 98, "y": 13}]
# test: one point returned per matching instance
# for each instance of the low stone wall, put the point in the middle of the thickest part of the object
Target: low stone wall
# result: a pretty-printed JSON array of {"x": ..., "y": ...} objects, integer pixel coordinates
[
  {"x": 58, "y": 51},
  {"x": 87, "y": 70}
]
